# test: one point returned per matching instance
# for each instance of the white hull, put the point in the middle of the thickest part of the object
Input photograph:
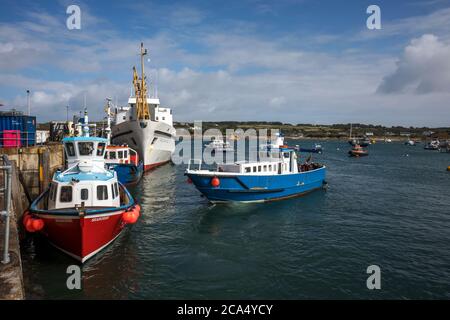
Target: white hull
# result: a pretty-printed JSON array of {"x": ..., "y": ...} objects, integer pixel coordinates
[{"x": 153, "y": 140}]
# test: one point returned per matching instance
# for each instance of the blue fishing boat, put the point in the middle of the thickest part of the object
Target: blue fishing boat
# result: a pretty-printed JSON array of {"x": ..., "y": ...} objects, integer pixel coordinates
[
  {"x": 121, "y": 158},
  {"x": 125, "y": 162},
  {"x": 277, "y": 177}
]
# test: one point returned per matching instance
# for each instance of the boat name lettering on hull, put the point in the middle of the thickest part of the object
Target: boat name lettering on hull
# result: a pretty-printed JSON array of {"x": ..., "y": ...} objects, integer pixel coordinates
[{"x": 99, "y": 219}]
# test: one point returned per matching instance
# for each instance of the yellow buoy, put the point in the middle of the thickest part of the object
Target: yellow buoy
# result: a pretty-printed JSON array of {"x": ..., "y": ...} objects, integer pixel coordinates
[{"x": 448, "y": 168}]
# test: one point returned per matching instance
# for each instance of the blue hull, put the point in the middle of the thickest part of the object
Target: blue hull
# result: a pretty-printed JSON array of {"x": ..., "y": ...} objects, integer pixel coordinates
[
  {"x": 127, "y": 173},
  {"x": 256, "y": 188}
]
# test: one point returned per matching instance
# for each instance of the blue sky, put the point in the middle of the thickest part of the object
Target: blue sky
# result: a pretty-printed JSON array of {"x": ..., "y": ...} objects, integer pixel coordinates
[{"x": 297, "y": 61}]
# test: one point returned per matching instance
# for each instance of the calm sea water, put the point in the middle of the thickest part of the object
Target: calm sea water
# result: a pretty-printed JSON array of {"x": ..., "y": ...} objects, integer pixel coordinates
[{"x": 391, "y": 209}]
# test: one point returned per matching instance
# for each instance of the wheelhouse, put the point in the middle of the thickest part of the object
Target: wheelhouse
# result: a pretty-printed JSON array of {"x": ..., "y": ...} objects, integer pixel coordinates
[
  {"x": 284, "y": 161},
  {"x": 84, "y": 149},
  {"x": 86, "y": 182}
]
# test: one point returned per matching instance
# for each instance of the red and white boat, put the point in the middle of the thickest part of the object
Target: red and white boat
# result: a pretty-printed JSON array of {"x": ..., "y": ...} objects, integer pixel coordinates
[
  {"x": 144, "y": 125},
  {"x": 85, "y": 207}
]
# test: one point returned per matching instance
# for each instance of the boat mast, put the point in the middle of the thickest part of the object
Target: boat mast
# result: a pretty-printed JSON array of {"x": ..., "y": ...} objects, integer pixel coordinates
[
  {"x": 108, "y": 120},
  {"x": 140, "y": 89},
  {"x": 85, "y": 125}
]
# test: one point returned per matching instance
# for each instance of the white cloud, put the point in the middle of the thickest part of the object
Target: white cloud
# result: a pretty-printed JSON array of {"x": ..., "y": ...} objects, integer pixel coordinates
[
  {"x": 437, "y": 22},
  {"x": 236, "y": 75},
  {"x": 424, "y": 67},
  {"x": 50, "y": 98}
]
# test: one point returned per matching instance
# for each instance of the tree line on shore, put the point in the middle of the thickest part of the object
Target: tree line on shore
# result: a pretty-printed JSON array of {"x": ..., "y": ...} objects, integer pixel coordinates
[{"x": 323, "y": 131}]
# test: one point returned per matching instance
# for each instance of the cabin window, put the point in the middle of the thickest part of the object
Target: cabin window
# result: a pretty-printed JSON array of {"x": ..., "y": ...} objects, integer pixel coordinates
[
  {"x": 286, "y": 154},
  {"x": 248, "y": 169},
  {"x": 270, "y": 167},
  {"x": 120, "y": 154},
  {"x": 112, "y": 191},
  {"x": 84, "y": 194},
  {"x": 66, "y": 194},
  {"x": 254, "y": 169},
  {"x": 116, "y": 187},
  {"x": 112, "y": 155},
  {"x": 259, "y": 168},
  {"x": 265, "y": 168},
  {"x": 102, "y": 193},
  {"x": 70, "y": 149},
  {"x": 85, "y": 148},
  {"x": 154, "y": 140},
  {"x": 101, "y": 149},
  {"x": 164, "y": 118},
  {"x": 125, "y": 154}
]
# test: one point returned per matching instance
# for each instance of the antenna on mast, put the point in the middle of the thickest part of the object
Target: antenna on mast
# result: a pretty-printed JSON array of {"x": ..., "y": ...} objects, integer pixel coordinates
[{"x": 28, "y": 103}]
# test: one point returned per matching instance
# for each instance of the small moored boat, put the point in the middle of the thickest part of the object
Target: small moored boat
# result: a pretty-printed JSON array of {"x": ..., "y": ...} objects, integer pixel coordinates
[
  {"x": 125, "y": 162},
  {"x": 358, "y": 151},
  {"x": 432, "y": 145},
  {"x": 121, "y": 158},
  {"x": 219, "y": 146},
  {"x": 86, "y": 207},
  {"x": 277, "y": 177},
  {"x": 317, "y": 148}
]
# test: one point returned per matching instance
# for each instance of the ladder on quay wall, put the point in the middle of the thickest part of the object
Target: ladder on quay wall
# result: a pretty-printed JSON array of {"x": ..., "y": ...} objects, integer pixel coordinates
[{"x": 5, "y": 213}]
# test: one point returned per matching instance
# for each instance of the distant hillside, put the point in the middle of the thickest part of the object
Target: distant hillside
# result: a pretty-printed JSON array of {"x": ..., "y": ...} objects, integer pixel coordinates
[
  {"x": 324, "y": 131},
  {"x": 335, "y": 131}
]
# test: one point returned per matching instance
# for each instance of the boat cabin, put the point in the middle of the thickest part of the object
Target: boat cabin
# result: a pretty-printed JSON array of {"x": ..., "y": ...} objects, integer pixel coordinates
[
  {"x": 121, "y": 154},
  {"x": 284, "y": 163},
  {"x": 86, "y": 182},
  {"x": 87, "y": 149},
  {"x": 65, "y": 193}
]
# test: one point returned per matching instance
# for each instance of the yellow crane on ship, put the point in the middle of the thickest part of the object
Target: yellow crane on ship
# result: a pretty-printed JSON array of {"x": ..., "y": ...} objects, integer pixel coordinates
[{"x": 140, "y": 89}]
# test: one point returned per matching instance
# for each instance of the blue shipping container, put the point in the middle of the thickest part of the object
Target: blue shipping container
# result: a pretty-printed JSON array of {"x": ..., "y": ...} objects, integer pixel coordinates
[{"x": 25, "y": 124}]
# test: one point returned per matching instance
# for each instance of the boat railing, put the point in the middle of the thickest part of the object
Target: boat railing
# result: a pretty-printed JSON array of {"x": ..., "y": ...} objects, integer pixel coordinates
[{"x": 193, "y": 161}]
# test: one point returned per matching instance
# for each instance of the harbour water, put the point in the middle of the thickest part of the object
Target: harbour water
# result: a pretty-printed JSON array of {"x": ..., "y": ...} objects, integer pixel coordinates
[{"x": 391, "y": 209}]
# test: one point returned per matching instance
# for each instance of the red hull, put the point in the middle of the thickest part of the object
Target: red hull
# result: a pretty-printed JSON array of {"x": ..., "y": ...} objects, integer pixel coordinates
[
  {"x": 82, "y": 238},
  {"x": 148, "y": 167}
]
